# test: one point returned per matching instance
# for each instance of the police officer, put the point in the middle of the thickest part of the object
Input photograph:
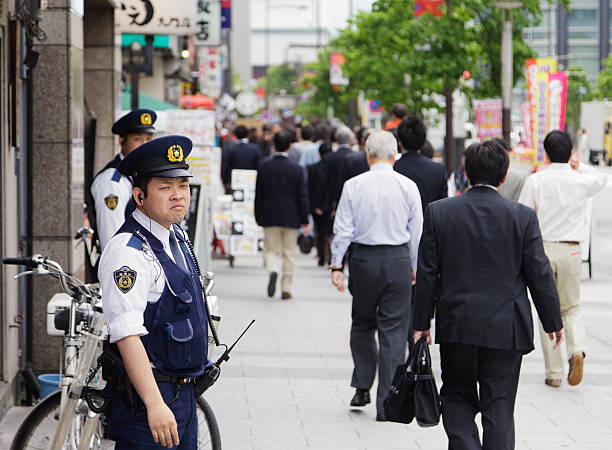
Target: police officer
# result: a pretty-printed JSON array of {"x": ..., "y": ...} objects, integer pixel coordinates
[
  {"x": 153, "y": 304},
  {"x": 110, "y": 190}
]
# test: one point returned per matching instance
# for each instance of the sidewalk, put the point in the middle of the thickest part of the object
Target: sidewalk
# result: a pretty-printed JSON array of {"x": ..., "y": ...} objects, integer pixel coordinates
[{"x": 287, "y": 385}]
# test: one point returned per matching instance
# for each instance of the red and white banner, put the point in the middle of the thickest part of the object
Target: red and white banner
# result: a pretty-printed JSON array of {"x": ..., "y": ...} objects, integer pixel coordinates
[{"x": 488, "y": 117}]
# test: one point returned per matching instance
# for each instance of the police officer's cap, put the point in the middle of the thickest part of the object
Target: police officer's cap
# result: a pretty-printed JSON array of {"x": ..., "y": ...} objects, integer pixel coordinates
[
  {"x": 137, "y": 121},
  {"x": 162, "y": 157}
]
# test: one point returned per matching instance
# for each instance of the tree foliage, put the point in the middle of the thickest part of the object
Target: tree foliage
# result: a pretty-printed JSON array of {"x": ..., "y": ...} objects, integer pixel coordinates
[
  {"x": 279, "y": 80},
  {"x": 395, "y": 57},
  {"x": 604, "y": 80},
  {"x": 578, "y": 91}
]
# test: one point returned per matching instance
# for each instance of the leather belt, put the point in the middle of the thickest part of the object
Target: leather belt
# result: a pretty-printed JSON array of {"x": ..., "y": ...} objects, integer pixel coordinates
[
  {"x": 162, "y": 378},
  {"x": 564, "y": 242}
]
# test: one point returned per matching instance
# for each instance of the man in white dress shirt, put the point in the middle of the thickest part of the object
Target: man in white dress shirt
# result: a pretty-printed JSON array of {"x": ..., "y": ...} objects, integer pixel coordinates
[
  {"x": 559, "y": 195},
  {"x": 380, "y": 217}
]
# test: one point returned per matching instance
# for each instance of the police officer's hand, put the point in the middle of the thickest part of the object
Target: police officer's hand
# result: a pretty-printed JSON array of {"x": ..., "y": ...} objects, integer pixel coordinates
[{"x": 163, "y": 425}]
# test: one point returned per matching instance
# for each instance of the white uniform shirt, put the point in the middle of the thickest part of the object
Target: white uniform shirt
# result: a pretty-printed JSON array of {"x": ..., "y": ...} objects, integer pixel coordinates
[
  {"x": 378, "y": 207},
  {"x": 111, "y": 198},
  {"x": 559, "y": 195},
  {"x": 140, "y": 275}
]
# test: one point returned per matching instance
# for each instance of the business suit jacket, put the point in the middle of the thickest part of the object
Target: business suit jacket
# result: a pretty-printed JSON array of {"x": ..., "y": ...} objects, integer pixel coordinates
[
  {"x": 429, "y": 176},
  {"x": 240, "y": 156},
  {"x": 281, "y": 196},
  {"x": 357, "y": 163},
  {"x": 318, "y": 192},
  {"x": 337, "y": 169},
  {"x": 484, "y": 251}
]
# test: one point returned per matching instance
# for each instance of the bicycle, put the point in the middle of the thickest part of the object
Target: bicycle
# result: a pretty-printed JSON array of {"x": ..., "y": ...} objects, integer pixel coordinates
[{"x": 70, "y": 417}]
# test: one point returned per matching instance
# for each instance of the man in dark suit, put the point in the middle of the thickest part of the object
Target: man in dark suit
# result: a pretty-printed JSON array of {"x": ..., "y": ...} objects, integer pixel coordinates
[
  {"x": 337, "y": 164},
  {"x": 429, "y": 176},
  {"x": 483, "y": 251},
  {"x": 281, "y": 206},
  {"x": 243, "y": 155},
  {"x": 319, "y": 202}
]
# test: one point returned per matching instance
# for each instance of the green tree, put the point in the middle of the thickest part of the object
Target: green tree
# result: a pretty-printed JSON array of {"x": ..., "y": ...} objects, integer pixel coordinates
[
  {"x": 279, "y": 79},
  {"x": 578, "y": 91},
  {"x": 604, "y": 80},
  {"x": 395, "y": 57}
]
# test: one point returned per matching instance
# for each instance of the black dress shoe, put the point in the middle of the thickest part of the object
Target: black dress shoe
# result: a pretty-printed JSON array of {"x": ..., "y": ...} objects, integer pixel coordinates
[
  {"x": 272, "y": 284},
  {"x": 381, "y": 418},
  {"x": 361, "y": 398}
]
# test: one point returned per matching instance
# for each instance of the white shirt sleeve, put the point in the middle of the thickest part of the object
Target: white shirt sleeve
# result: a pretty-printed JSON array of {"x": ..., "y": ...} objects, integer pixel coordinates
[
  {"x": 125, "y": 278},
  {"x": 111, "y": 198},
  {"x": 594, "y": 180},
  {"x": 527, "y": 196},
  {"x": 344, "y": 227},
  {"x": 415, "y": 224}
]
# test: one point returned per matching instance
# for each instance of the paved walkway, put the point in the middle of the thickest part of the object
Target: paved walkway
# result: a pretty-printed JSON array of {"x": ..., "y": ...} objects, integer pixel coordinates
[{"x": 287, "y": 384}]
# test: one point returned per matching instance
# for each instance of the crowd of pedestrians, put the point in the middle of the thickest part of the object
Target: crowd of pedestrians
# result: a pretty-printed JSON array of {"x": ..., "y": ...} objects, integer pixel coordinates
[{"x": 380, "y": 207}]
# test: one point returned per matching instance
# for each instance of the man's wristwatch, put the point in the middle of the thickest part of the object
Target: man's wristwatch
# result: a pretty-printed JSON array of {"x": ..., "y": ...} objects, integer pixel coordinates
[{"x": 336, "y": 269}]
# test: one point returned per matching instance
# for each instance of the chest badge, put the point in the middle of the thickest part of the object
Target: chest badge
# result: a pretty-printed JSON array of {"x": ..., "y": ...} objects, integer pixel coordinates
[
  {"x": 111, "y": 202},
  {"x": 175, "y": 153},
  {"x": 125, "y": 279}
]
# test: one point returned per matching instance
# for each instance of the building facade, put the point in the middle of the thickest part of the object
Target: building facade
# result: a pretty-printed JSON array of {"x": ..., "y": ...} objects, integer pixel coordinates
[
  {"x": 59, "y": 85},
  {"x": 581, "y": 36}
]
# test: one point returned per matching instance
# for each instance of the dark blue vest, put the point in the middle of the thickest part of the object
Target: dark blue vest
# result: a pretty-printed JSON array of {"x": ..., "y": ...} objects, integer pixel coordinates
[{"x": 177, "y": 343}]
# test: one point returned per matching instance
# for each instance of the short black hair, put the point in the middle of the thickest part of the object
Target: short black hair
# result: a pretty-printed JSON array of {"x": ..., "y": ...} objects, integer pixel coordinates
[
  {"x": 321, "y": 132},
  {"x": 428, "y": 150},
  {"x": 503, "y": 143},
  {"x": 325, "y": 148},
  {"x": 142, "y": 182},
  {"x": 412, "y": 133},
  {"x": 486, "y": 163},
  {"x": 399, "y": 110},
  {"x": 241, "y": 132},
  {"x": 283, "y": 140},
  {"x": 306, "y": 132},
  {"x": 558, "y": 146},
  {"x": 293, "y": 132}
]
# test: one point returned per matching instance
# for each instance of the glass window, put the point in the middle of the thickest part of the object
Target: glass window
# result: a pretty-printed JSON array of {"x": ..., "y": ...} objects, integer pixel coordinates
[
  {"x": 583, "y": 18},
  {"x": 590, "y": 65},
  {"x": 582, "y": 50},
  {"x": 582, "y": 33}
]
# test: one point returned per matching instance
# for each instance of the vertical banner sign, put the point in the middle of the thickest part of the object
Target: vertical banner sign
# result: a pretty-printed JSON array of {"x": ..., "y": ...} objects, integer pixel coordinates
[
  {"x": 226, "y": 14},
  {"x": 526, "y": 119},
  {"x": 336, "y": 77},
  {"x": 557, "y": 99},
  {"x": 210, "y": 72},
  {"x": 208, "y": 23},
  {"x": 541, "y": 115},
  {"x": 535, "y": 66},
  {"x": 488, "y": 117}
]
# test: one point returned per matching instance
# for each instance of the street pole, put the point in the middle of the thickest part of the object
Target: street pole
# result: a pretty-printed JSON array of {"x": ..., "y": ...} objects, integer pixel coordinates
[
  {"x": 449, "y": 139},
  {"x": 507, "y": 65}
]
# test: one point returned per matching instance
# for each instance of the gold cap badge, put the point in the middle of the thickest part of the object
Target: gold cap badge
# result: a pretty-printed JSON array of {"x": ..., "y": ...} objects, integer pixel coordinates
[
  {"x": 145, "y": 119},
  {"x": 175, "y": 153}
]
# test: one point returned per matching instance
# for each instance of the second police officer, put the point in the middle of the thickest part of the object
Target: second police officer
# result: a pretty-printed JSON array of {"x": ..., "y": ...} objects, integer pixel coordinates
[
  {"x": 112, "y": 191},
  {"x": 153, "y": 304}
]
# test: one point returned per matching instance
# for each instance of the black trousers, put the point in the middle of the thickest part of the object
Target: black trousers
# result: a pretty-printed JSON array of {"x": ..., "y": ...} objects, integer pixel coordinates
[
  {"x": 380, "y": 282},
  {"x": 479, "y": 379}
]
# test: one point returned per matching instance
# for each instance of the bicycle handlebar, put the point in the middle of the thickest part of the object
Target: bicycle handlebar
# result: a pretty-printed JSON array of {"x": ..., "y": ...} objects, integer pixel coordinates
[{"x": 31, "y": 261}]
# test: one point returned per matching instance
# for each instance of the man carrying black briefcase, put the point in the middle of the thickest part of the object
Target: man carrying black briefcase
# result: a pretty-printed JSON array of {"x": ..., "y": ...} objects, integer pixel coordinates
[{"x": 483, "y": 251}]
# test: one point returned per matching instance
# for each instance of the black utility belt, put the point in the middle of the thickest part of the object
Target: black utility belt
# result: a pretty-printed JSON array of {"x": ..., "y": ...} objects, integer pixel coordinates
[
  {"x": 382, "y": 246},
  {"x": 162, "y": 378}
]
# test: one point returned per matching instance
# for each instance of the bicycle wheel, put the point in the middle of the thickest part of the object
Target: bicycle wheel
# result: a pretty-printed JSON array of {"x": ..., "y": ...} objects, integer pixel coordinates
[
  {"x": 38, "y": 429},
  {"x": 208, "y": 429}
]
